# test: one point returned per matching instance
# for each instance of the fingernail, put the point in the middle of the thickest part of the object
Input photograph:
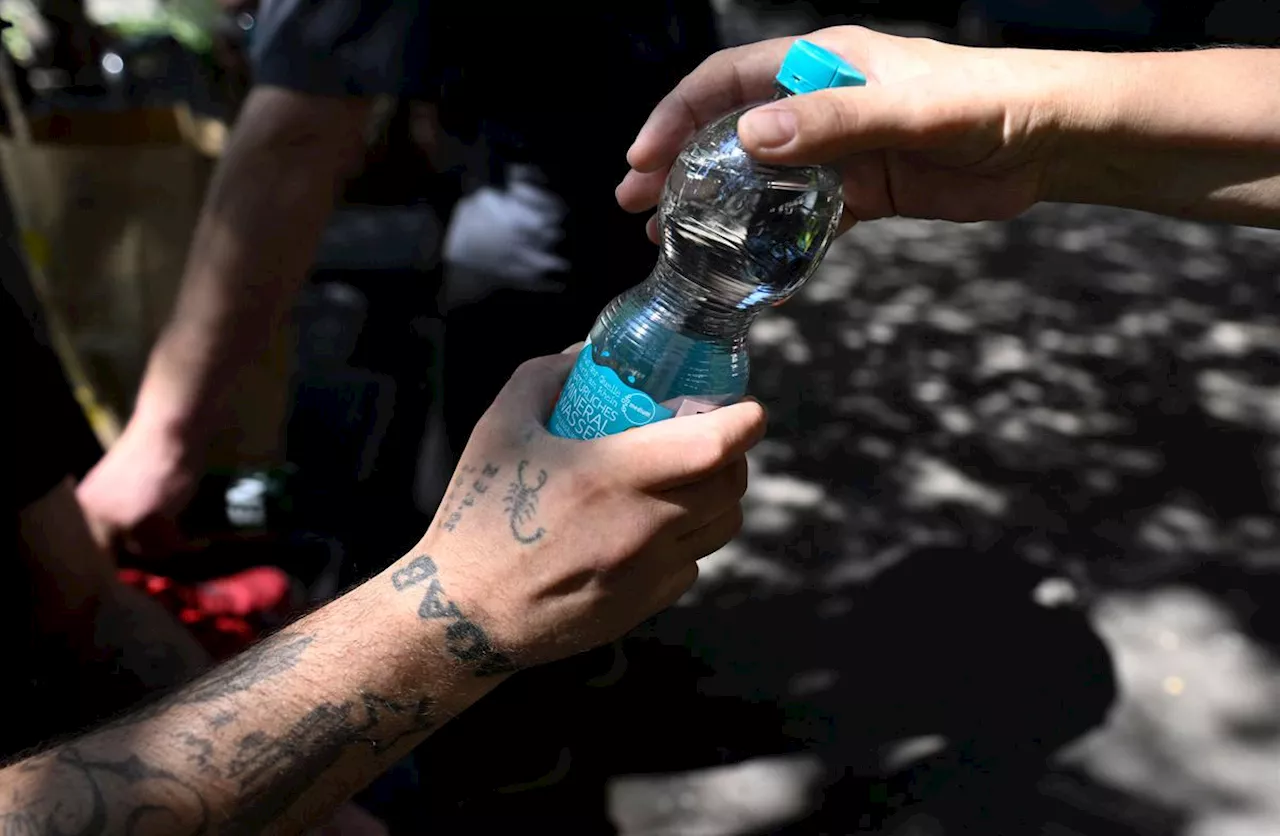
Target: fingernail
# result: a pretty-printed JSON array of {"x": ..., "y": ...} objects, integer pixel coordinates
[{"x": 769, "y": 127}]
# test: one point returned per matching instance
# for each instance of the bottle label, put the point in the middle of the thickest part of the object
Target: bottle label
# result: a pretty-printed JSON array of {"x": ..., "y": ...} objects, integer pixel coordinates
[
  {"x": 685, "y": 405},
  {"x": 596, "y": 402}
]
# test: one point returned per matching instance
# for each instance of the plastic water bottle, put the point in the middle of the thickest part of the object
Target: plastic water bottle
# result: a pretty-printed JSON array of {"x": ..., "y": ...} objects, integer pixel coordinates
[{"x": 736, "y": 236}]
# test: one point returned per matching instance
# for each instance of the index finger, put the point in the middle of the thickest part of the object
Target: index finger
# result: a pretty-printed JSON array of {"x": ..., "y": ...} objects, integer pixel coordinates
[
  {"x": 532, "y": 390},
  {"x": 729, "y": 79}
]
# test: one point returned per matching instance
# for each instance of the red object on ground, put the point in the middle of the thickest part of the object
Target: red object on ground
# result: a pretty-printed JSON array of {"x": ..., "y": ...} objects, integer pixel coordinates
[{"x": 227, "y": 614}]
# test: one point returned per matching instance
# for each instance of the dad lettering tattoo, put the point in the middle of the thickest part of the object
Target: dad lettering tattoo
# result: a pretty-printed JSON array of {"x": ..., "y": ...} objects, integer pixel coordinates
[{"x": 465, "y": 640}]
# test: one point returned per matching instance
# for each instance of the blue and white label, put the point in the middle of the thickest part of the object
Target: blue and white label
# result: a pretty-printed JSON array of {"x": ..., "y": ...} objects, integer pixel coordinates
[{"x": 596, "y": 402}]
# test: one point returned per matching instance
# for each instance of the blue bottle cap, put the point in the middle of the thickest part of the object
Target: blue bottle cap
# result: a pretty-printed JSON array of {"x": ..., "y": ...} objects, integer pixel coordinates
[{"x": 809, "y": 67}]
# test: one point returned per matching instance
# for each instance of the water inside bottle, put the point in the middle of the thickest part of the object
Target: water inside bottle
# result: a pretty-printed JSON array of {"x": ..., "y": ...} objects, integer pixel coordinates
[
  {"x": 736, "y": 236},
  {"x": 748, "y": 234}
]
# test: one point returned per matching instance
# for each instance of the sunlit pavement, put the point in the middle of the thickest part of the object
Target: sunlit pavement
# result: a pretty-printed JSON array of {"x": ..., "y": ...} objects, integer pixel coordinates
[{"x": 1102, "y": 383}]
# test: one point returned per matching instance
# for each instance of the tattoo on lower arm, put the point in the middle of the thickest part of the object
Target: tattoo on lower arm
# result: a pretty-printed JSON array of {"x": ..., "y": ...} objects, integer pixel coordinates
[
  {"x": 273, "y": 657},
  {"x": 276, "y": 655},
  {"x": 274, "y": 772},
  {"x": 522, "y": 506},
  {"x": 99, "y": 793},
  {"x": 222, "y": 719},
  {"x": 88, "y": 788},
  {"x": 199, "y": 753},
  {"x": 465, "y": 640},
  {"x": 91, "y": 789},
  {"x": 93, "y": 794},
  {"x": 376, "y": 722}
]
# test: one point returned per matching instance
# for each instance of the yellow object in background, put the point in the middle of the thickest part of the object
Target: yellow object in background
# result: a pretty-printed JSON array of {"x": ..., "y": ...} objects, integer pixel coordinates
[
  {"x": 104, "y": 421},
  {"x": 107, "y": 203}
]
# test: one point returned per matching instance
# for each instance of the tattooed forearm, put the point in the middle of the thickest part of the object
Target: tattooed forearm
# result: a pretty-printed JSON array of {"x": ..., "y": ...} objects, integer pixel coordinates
[
  {"x": 375, "y": 721},
  {"x": 470, "y": 494},
  {"x": 271, "y": 741},
  {"x": 271, "y": 658},
  {"x": 221, "y": 719},
  {"x": 273, "y": 772},
  {"x": 465, "y": 640},
  {"x": 100, "y": 792},
  {"x": 93, "y": 793},
  {"x": 522, "y": 506},
  {"x": 103, "y": 785},
  {"x": 199, "y": 753}
]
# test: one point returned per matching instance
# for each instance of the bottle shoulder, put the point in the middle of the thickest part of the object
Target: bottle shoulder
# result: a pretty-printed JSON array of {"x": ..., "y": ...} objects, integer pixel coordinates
[{"x": 717, "y": 146}]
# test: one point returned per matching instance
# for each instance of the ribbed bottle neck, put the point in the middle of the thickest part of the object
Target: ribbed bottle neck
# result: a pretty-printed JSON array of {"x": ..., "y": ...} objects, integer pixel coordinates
[{"x": 687, "y": 305}]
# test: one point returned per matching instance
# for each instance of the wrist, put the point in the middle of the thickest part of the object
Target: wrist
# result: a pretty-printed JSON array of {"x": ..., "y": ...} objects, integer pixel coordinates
[
  {"x": 1189, "y": 134},
  {"x": 452, "y": 613},
  {"x": 1087, "y": 103},
  {"x": 169, "y": 417}
]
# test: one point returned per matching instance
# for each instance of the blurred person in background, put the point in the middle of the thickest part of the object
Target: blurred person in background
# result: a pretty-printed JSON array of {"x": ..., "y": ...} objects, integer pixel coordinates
[
  {"x": 83, "y": 644},
  {"x": 532, "y": 106},
  {"x": 535, "y": 247}
]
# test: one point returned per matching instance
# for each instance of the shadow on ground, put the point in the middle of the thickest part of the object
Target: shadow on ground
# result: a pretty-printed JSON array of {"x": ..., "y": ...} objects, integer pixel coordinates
[
  {"x": 992, "y": 448},
  {"x": 1085, "y": 394}
]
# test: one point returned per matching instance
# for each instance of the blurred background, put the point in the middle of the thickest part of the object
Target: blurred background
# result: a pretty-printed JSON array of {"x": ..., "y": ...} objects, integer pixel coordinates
[{"x": 1012, "y": 554}]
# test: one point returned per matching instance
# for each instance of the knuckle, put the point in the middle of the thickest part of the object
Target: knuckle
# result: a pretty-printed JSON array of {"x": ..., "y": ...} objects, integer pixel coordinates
[
  {"x": 604, "y": 564},
  {"x": 528, "y": 367},
  {"x": 709, "y": 66},
  {"x": 850, "y": 30},
  {"x": 845, "y": 35},
  {"x": 708, "y": 454},
  {"x": 591, "y": 486},
  {"x": 720, "y": 62},
  {"x": 838, "y": 118}
]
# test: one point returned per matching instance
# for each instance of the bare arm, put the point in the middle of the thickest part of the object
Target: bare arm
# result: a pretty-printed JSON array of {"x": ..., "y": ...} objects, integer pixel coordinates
[
  {"x": 264, "y": 213},
  {"x": 965, "y": 134},
  {"x": 1190, "y": 134},
  {"x": 267, "y": 743},
  {"x": 546, "y": 547},
  {"x": 262, "y": 220}
]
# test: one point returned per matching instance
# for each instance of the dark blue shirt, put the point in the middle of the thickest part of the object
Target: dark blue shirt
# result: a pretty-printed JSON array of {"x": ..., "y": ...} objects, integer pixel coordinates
[{"x": 527, "y": 75}]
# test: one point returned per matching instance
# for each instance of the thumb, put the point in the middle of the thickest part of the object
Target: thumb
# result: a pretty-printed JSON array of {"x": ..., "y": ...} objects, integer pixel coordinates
[
  {"x": 534, "y": 388},
  {"x": 827, "y": 125},
  {"x": 684, "y": 450}
]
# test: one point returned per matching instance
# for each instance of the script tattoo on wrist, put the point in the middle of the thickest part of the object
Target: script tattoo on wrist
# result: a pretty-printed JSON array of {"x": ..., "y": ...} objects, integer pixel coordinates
[{"x": 469, "y": 487}]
